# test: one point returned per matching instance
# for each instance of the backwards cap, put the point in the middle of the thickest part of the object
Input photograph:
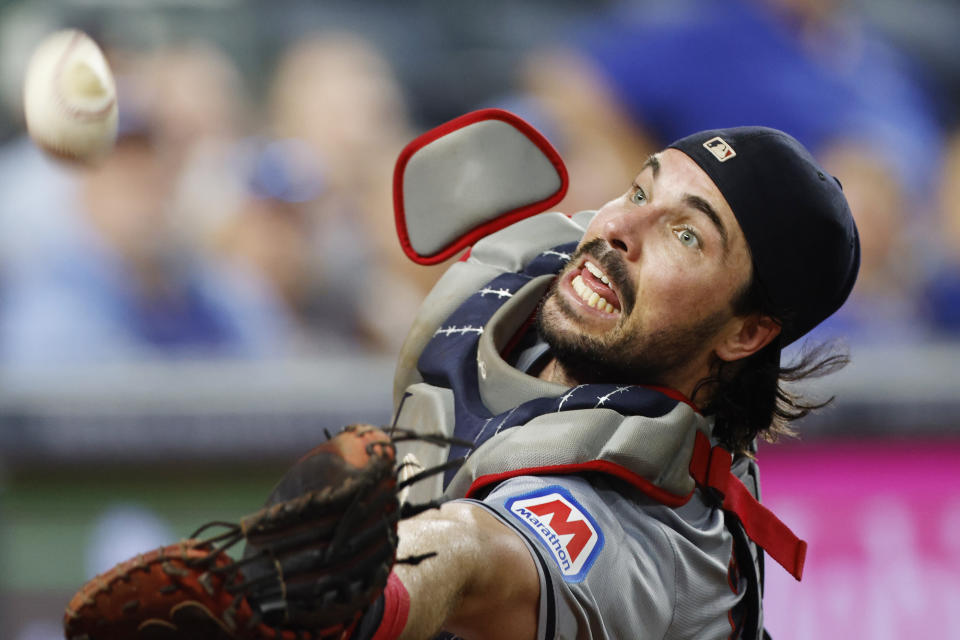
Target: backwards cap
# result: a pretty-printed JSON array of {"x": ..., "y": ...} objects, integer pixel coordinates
[{"x": 801, "y": 234}]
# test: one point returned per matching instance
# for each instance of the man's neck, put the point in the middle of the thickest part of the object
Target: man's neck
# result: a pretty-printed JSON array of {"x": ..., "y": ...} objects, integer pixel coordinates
[{"x": 553, "y": 371}]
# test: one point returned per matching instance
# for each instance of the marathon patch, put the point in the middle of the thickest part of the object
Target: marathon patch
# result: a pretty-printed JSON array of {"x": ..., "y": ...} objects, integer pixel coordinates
[{"x": 563, "y": 526}]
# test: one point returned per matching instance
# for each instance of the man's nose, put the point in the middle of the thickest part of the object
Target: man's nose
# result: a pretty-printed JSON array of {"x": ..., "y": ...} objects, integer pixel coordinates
[{"x": 625, "y": 229}]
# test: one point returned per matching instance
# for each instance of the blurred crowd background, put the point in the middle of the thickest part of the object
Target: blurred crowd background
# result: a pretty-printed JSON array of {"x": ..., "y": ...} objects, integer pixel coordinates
[{"x": 228, "y": 281}]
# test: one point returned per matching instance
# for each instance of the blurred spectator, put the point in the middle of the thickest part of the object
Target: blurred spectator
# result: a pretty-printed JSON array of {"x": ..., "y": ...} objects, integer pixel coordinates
[
  {"x": 599, "y": 141},
  {"x": 338, "y": 93},
  {"x": 272, "y": 234},
  {"x": 193, "y": 93},
  {"x": 809, "y": 67},
  {"x": 942, "y": 293},
  {"x": 194, "y": 97},
  {"x": 118, "y": 285},
  {"x": 884, "y": 306}
]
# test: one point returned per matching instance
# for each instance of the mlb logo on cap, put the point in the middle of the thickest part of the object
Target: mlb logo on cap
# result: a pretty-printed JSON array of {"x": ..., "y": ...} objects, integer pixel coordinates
[{"x": 719, "y": 148}]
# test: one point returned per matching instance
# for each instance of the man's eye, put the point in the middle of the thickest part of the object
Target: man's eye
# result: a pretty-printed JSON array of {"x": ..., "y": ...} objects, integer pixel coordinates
[
  {"x": 688, "y": 238},
  {"x": 638, "y": 196}
]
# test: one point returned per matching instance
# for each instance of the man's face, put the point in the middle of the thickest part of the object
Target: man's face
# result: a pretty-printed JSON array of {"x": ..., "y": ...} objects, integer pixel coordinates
[{"x": 647, "y": 296}]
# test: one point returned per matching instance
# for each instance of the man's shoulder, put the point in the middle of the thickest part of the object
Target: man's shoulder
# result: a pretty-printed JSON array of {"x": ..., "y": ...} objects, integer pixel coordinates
[{"x": 600, "y": 539}]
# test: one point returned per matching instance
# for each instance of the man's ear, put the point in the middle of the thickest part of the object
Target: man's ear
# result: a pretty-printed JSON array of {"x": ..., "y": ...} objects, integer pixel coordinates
[{"x": 754, "y": 333}]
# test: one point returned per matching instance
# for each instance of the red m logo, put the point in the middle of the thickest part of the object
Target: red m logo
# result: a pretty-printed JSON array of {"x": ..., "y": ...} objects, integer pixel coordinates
[{"x": 562, "y": 525}]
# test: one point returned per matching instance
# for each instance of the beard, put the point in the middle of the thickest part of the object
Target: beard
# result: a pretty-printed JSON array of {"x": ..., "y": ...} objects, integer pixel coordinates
[{"x": 622, "y": 355}]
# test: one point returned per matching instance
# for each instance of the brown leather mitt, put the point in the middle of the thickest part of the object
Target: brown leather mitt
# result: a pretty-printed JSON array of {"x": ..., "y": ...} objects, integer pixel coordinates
[{"x": 317, "y": 556}]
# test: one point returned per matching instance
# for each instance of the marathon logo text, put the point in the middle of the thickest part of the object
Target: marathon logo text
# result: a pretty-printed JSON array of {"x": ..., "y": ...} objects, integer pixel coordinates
[{"x": 563, "y": 526}]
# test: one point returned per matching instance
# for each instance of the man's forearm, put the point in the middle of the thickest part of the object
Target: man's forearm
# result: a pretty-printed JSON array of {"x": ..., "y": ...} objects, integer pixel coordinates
[{"x": 481, "y": 584}]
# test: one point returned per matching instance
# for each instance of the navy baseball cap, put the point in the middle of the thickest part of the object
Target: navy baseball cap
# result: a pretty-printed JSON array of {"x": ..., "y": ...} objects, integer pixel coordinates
[{"x": 798, "y": 225}]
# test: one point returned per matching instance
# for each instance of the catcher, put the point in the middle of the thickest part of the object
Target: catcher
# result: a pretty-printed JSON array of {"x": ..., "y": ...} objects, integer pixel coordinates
[{"x": 605, "y": 377}]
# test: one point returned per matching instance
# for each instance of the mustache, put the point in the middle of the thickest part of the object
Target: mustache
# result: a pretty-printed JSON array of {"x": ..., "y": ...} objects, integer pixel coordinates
[{"x": 615, "y": 268}]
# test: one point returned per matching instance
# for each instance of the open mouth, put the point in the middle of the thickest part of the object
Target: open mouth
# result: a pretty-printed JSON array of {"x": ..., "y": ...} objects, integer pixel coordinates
[{"x": 593, "y": 287}]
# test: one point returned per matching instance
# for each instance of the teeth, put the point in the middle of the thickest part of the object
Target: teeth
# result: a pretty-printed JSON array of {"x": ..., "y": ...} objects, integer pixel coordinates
[
  {"x": 592, "y": 268},
  {"x": 578, "y": 285},
  {"x": 591, "y": 297}
]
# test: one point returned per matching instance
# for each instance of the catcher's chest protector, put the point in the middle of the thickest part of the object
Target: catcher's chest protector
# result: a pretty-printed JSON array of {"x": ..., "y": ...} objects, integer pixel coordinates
[{"x": 450, "y": 360}]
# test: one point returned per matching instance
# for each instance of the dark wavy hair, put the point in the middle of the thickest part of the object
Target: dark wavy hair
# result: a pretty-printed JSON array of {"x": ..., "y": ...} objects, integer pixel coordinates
[{"x": 748, "y": 397}]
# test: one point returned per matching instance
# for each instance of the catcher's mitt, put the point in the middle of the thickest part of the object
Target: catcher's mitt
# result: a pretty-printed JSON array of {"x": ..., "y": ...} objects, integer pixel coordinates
[{"x": 316, "y": 558}]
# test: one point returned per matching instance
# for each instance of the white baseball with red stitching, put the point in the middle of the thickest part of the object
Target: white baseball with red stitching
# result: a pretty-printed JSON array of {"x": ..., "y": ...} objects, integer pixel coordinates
[{"x": 70, "y": 97}]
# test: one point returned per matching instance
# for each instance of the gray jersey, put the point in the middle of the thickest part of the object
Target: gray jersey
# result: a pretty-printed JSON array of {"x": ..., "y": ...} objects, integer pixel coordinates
[{"x": 615, "y": 564}]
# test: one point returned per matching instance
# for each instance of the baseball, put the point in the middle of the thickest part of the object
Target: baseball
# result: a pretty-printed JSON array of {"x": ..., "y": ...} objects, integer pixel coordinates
[{"x": 70, "y": 98}]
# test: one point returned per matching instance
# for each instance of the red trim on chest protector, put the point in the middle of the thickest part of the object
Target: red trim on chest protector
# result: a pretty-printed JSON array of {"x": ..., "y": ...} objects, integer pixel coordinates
[
  {"x": 710, "y": 467},
  {"x": 602, "y": 466},
  {"x": 486, "y": 227}
]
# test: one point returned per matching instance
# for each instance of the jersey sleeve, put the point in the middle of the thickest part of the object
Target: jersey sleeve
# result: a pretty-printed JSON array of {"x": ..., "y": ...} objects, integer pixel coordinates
[{"x": 597, "y": 579}]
